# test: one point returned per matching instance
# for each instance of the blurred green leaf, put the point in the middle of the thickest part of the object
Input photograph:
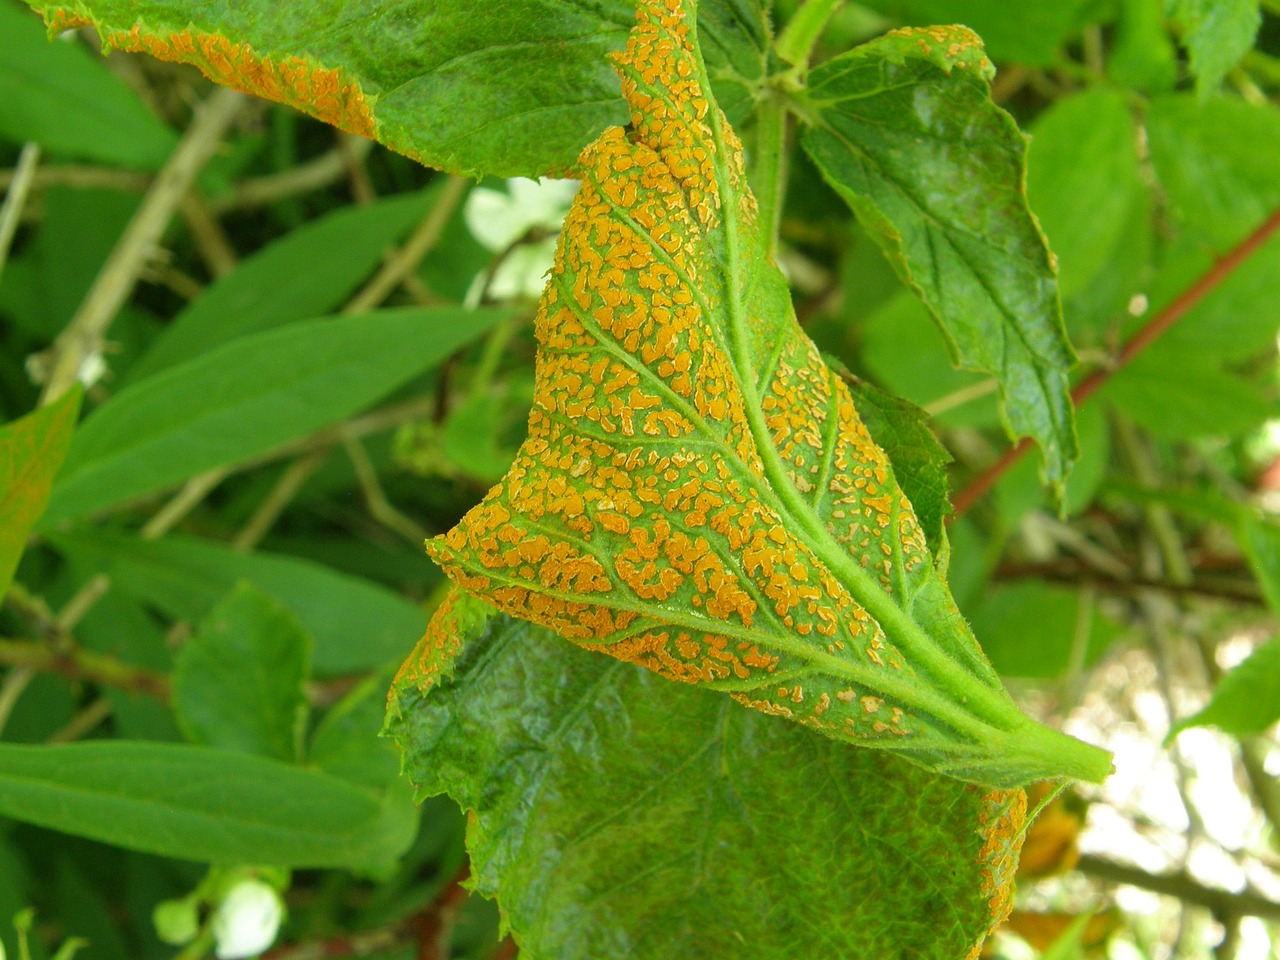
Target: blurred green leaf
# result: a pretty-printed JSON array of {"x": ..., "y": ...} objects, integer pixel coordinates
[
  {"x": 1218, "y": 162},
  {"x": 1029, "y": 33},
  {"x": 1019, "y": 490},
  {"x": 905, "y": 131},
  {"x": 238, "y": 680},
  {"x": 1070, "y": 946},
  {"x": 306, "y": 273},
  {"x": 31, "y": 451},
  {"x": 1142, "y": 56},
  {"x": 1247, "y": 699},
  {"x": 615, "y": 814},
  {"x": 347, "y": 741},
  {"x": 513, "y": 89},
  {"x": 248, "y": 396},
  {"x": 197, "y": 803},
  {"x": 1083, "y": 180},
  {"x": 1217, "y": 33},
  {"x": 1030, "y": 629},
  {"x": 357, "y": 625},
  {"x": 64, "y": 98}
]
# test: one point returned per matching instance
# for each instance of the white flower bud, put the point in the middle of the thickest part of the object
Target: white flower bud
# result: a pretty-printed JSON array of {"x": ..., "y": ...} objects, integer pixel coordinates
[{"x": 247, "y": 920}]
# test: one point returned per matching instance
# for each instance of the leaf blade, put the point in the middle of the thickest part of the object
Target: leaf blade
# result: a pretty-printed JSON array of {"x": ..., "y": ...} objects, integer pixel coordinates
[
  {"x": 644, "y": 804},
  {"x": 248, "y": 396},
  {"x": 905, "y": 131}
]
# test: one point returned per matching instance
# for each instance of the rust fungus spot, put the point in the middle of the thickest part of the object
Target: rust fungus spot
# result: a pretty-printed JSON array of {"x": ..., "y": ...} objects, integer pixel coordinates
[{"x": 299, "y": 82}]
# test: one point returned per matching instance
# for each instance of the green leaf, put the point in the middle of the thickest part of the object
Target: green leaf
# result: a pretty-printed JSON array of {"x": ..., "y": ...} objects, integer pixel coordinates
[
  {"x": 903, "y": 128},
  {"x": 357, "y": 625},
  {"x": 31, "y": 451},
  {"x": 1217, "y": 162},
  {"x": 1217, "y": 33},
  {"x": 1142, "y": 56},
  {"x": 197, "y": 803},
  {"x": 1019, "y": 490},
  {"x": 617, "y": 816},
  {"x": 1031, "y": 629},
  {"x": 304, "y": 274},
  {"x": 1084, "y": 182},
  {"x": 513, "y": 89},
  {"x": 62, "y": 97},
  {"x": 1247, "y": 699},
  {"x": 1030, "y": 33},
  {"x": 248, "y": 396},
  {"x": 347, "y": 743},
  {"x": 697, "y": 493},
  {"x": 238, "y": 681}
]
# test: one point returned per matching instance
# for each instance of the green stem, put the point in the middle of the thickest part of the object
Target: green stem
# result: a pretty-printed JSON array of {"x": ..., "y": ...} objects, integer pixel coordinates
[
  {"x": 803, "y": 29},
  {"x": 769, "y": 172}
]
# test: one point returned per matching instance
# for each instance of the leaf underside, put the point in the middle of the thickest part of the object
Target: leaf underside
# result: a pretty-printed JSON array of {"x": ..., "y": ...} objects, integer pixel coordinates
[
  {"x": 614, "y": 815},
  {"x": 697, "y": 493}
]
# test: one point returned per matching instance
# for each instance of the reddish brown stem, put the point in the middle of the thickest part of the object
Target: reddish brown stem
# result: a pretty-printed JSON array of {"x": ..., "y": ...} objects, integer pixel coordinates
[{"x": 1177, "y": 308}]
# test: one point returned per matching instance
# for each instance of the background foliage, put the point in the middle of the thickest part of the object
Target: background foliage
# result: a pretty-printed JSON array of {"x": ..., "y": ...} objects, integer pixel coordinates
[{"x": 323, "y": 353}]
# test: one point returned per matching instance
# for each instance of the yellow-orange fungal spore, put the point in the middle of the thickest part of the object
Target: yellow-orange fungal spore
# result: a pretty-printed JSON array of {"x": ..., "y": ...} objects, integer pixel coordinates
[{"x": 326, "y": 94}]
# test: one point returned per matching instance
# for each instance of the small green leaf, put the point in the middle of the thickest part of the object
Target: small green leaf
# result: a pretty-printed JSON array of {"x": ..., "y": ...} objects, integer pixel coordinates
[
  {"x": 347, "y": 743},
  {"x": 357, "y": 625},
  {"x": 198, "y": 803},
  {"x": 619, "y": 817},
  {"x": 31, "y": 451},
  {"x": 1142, "y": 56},
  {"x": 62, "y": 97},
  {"x": 513, "y": 89},
  {"x": 248, "y": 396},
  {"x": 903, "y": 128},
  {"x": 238, "y": 680},
  {"x": 304, "y": 274},
  {"x": 1217, "y": 33},
  {"x": 1247, "y": 699}
]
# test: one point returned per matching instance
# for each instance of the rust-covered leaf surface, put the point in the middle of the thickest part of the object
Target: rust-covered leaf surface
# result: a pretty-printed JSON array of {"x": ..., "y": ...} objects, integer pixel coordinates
[{"x": 697, "y": 493}]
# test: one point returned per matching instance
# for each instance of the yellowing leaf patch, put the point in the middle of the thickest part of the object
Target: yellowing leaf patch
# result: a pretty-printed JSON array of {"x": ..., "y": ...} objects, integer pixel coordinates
[{"x": 697, "y": 493}]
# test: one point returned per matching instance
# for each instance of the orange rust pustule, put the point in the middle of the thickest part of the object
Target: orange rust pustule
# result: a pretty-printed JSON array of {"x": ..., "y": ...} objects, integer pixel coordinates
[
  {"x": 290, "y": 80},
  {"x": 62, "y": 19},
  {"x": 1004, "y": 812}
]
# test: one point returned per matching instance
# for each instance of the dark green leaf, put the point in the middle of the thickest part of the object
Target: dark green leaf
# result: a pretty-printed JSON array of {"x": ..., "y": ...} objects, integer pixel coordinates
[
  {"x": 615, "y": 815},
  {"x": 515, "y": 88},
  {"x": 197, "y": 803},
  {"x": 1247, "y": 699},
  {"x": 248, "y": 396},
  {"x": 1217, "y": 33},
  {"x": 304, "y": 274},
  {"x": 62, "y": 97},
  {"x": 31, "y": 451},
  {"x": 238, "y": 680},
  {"x": 905, "y": 131},
  {"x": 357, "y": 625}
]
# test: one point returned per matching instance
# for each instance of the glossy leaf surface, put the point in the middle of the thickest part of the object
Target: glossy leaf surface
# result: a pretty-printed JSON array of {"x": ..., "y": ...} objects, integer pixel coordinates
[
  {"x": 617, "y": 816},
  {"x": 903, "y": 128},
  {"x": 196, "y": 803},
  {"x": 697, "y": 493},
  {"x": 512, "y": 89},
  {"x": 31, "y": 451}
]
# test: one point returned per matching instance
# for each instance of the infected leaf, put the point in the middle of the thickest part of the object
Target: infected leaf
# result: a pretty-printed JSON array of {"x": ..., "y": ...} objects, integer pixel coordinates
[{"x": 697, "y": 493}]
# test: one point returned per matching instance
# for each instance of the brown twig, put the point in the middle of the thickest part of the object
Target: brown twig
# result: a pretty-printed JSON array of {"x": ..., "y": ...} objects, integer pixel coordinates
[
  {"x": 76, "y": 663},
  {"x": 435, "y": 925},
  {"x": 1209, "y": 281},
  {"x": 1222, "y": 903}
]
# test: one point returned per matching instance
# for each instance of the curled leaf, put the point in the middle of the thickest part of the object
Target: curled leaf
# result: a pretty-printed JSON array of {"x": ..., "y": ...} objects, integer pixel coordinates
[{"x": 697, "y": 493}]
